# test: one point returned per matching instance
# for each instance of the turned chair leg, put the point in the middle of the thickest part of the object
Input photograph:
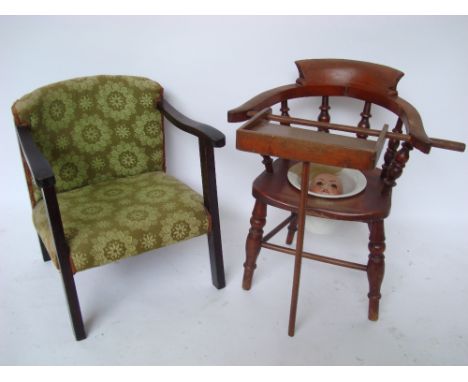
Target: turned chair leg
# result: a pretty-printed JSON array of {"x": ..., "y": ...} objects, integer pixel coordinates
[
  {"x": 375, "y": 266},
  {"x": 254, "y": 241},
  {"x": 292, "y": 228},
  {"x": 45, "y": 254},
  {"x": 73, "y": 303}
]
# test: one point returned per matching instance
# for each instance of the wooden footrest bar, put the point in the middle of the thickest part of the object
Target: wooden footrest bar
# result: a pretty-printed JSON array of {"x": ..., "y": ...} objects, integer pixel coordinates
[
  {"x": 280, "y": 226},
  {"x": 312, "y": 256}
]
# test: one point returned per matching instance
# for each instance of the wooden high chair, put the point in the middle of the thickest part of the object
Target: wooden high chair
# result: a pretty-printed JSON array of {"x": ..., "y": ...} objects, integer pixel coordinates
[{"x": 274, "y": 135}]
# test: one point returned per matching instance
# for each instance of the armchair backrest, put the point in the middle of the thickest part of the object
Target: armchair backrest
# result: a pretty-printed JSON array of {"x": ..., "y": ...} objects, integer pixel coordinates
[{"x": 96, "y": 128}]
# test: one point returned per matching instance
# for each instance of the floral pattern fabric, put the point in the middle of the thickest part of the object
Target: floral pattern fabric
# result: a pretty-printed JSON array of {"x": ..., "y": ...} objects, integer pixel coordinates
[
  {"x": 96, "y": 128},
  {"x": 111, "y": 220}
]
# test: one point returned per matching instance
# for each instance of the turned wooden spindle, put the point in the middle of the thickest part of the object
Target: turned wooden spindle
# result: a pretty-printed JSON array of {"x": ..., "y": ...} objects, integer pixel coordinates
[
  {"x": 364, "y": 122},
  {"x": 395, "y": 169},
  {"x": 324, "y": 115},
  {"x": 268, "y": 163},
  {"x": 284, "y": 112},
  {"x": 392, "y": 148},
  {"x": 254, "y": 242}
]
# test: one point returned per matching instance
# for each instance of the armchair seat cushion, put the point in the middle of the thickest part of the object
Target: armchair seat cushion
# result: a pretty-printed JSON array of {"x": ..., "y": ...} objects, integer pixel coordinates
[{"x": 111, "y": 220}]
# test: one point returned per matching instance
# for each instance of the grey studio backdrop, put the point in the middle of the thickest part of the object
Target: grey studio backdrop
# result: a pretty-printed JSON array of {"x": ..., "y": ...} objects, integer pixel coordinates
[{"x": 161, "y": 307}]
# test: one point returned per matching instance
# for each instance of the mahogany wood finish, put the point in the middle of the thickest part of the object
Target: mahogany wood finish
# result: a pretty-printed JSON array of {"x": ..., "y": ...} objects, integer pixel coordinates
[
  {"x": 395, "y": 170},
  {"x": 41, "y": 172},
  {"x": 292, "y": 228},
  {"x": 254, "y": 242},
  {"x": 364, "y": 122},
  {"x": 275, "y": 190},
  {"x": 284, "y": 111},
  {"x": 276, "y": 135},
  {"x": 278, "y": 228},
  {"x": 361, "y": 80},
  {"x": 267, "y": 162},
  {"x": 299, "y": 247},
  {"x": 303, "y": 144},
  {"x": 375, "y": 266},
  {"x": 324, "y": 115},
  {"x": 392, "y": 148},
  {"x": 349, "y": 74},
  {"x": 316, "y": 257},
  {"x": 395, "y": 134}
]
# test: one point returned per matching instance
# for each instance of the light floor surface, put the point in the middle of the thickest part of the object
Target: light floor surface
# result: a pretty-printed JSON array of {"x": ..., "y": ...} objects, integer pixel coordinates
[{"x": 161, "y": 309}]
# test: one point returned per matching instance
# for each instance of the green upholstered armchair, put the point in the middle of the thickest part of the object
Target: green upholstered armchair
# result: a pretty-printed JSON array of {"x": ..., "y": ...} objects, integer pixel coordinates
[{"x": 93, "y": 154}]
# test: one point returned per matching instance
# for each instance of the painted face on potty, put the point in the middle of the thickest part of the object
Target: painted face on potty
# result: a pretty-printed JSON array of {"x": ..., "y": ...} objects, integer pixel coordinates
[{"x": 326, "y": 184}]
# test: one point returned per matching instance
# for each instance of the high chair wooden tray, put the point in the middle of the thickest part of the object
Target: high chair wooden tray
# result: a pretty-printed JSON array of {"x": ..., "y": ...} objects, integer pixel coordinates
[{"x": 266, "y": 138}]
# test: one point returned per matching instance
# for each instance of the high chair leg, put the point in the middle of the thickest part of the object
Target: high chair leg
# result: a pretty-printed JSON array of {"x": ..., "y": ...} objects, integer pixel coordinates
[{"x": 375, "y": 266}]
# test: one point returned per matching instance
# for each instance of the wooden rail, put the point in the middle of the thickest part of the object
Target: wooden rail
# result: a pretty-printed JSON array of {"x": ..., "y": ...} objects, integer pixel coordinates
[{"x": 435, "y": 142}]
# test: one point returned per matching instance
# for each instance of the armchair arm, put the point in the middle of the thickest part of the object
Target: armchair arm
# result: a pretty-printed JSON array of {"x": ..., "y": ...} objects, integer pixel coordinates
[
  {"x": 40, "y": 168},
  {"x": 202, "y": 131},
  {"x": 208, "y": 138},
  {"x": 44, "y": 177}
]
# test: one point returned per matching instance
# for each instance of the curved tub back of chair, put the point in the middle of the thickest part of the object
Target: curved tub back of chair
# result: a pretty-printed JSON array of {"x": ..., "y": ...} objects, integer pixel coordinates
[
  {"x": 369, "y": 82},
  {"x": 96, "y": 128},
  {"x": 372, "y": 83},
  {"x": 345, "y": 75}
]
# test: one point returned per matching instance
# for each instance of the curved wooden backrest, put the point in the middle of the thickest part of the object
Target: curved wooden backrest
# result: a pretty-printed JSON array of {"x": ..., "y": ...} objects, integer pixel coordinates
[
  {"x": 349, "y": 74},
  {"x": 368, "y": 82},
  {"x": 372, "y": 83}
]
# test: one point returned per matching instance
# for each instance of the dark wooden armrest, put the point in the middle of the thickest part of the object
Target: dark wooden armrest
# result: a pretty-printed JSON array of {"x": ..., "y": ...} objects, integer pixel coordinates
[
  {"x": 44, "y": 177},
  {"x": 205, "y": 132},
  {"x": 40, "y": 168},
  {"x": 413, "y": 125}
]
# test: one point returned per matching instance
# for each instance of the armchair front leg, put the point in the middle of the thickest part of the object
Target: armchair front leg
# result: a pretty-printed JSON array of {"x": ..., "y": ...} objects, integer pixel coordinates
[
  {"x": 45, "y": 254},
  {"x": 63, "y": 258},
  {"x": 43, "y": 176},
  {"x": 208, "y": 138},
  {"x": 210, "y": 197}
]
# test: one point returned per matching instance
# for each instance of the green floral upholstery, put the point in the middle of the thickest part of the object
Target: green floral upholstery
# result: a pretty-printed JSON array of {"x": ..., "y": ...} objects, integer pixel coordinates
[
  {"x": 114, "y": 219},
  {"x": 98, "y": 128},
  {"x": 104, "y": 139}
]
